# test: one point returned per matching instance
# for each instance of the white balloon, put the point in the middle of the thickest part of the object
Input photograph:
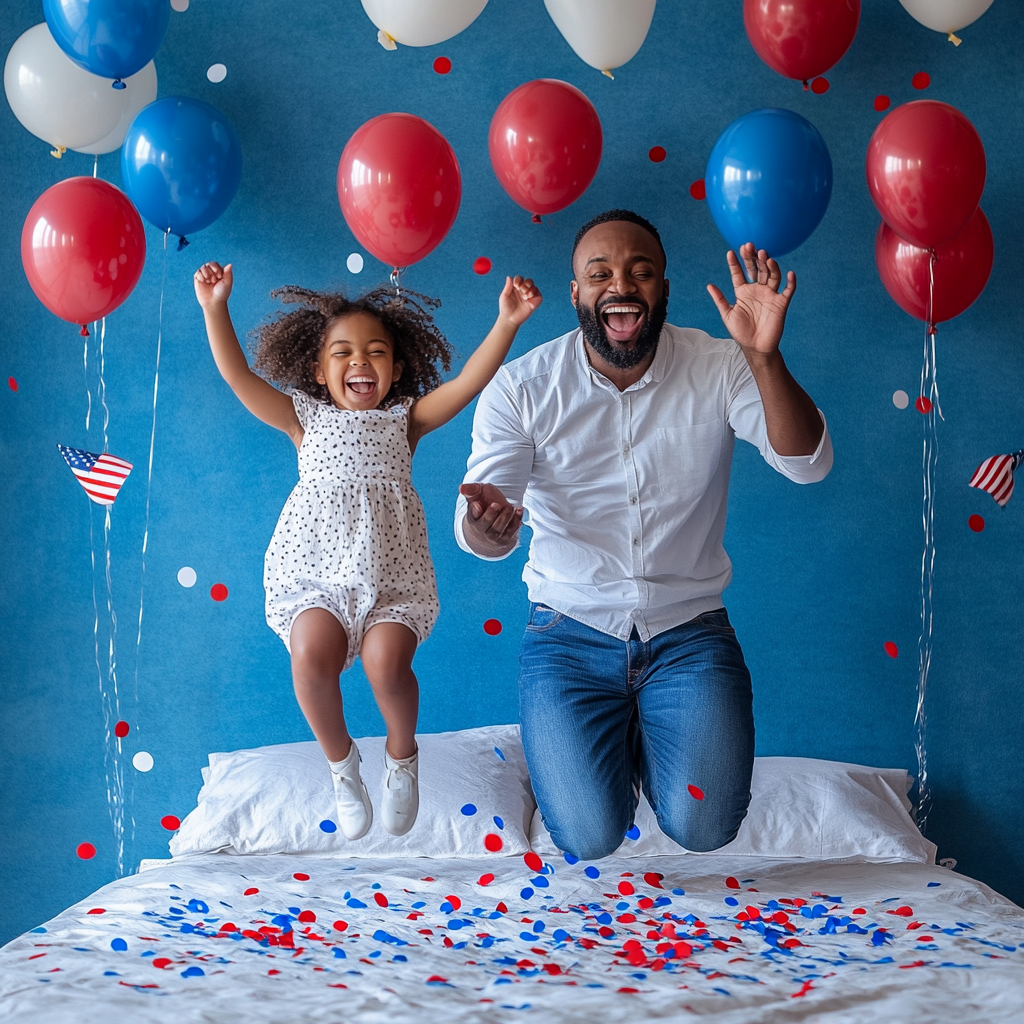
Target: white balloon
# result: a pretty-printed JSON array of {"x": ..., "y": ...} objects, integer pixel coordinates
[
  {"x": 946, "y": 16},
  {"x": 54, "y": 98},
  {"x": 604, "y": 33},
  {"x": 421, "y": 22},
  {"x": 141, "y": 89}
]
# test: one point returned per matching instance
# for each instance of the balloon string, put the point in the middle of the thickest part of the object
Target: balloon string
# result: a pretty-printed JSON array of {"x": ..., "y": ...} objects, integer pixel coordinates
[
  {"x": 96, "y": 165},
  {"x": 109, "y": 695},
  {"x": 929, "y": 460}
]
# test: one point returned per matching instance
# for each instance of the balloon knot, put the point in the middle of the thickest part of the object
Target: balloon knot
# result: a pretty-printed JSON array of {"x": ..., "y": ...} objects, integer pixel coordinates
[
  {"x": 954, "y": 39},
  {"x": 932, "y": 329},
  {"x": 58, "y": 152},
  {"x": 807, "y": 85},
  {"x": 386, "y": 40},
  {"x": 117, "y": 84},
  {"x": 182, "y": 242},
  {"x": 84, "y": 332},
  {"x": 536, "y": 218},
  {"x": 605, "y": 71}
]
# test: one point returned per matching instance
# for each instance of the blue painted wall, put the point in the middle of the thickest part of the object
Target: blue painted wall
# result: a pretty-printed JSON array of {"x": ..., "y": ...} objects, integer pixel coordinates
[{"x": 823, "y": 575}]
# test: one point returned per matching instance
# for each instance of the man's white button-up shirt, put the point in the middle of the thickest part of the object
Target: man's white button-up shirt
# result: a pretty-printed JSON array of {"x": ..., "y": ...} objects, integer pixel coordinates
[{"x": 625, "y": 492}]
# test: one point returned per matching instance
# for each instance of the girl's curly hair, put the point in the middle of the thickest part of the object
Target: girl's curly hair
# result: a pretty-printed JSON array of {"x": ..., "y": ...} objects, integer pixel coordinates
[{"x": 289, "y": 343}]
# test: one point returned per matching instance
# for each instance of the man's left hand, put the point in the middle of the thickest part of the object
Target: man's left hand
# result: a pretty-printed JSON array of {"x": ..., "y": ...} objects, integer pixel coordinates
[{"x": 756, "y": 319}]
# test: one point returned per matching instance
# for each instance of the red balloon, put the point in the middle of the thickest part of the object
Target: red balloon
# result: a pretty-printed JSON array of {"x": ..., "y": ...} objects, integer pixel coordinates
[
  {"x": 962, "y": 267},
  {"x": 926, "y": 171},
  {"x": 83, "y": 247},
  {"x": 399, "y": 187},
  {"x": 801, "y": 39},
  {"x": 545, "y": 143}
]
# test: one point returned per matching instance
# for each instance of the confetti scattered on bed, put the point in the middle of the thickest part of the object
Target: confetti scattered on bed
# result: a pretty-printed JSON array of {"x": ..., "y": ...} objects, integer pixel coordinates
[{"x": 277, "y": 937}]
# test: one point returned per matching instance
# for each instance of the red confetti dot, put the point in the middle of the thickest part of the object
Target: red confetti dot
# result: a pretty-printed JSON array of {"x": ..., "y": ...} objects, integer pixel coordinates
[
  {"x": 340, "y": 926},
  {"x": 485, "y": 879},
  {"x": 923, "y": 405},
  {"x": 219, "y": 592},
  {"x": 891, "y": 649},
  {"x": 121, "y": 729},
  {"x": 644, "y": 902},
  {"x": 273, "y": 970},
  {"x": 12, "y": 383},
  {"x": 492, "y": 843},
  {"x": 882, "y": 103},
  {"x": 656, "y": 154},
  {"x": 501, "y": 908},
  {"x": 307, "y": 916},
  {"x": 250, "y": 892},
  {"x": 819, "y": 85},
  {"x": 300, "y": 876},
  {"x": 97, "y": 910},
  {"x": 921, "y": 80},
  {"x": 626, "y": 888},
  {"x": 492, "y": 627},
  {"x": 170, "y": 822},
  {"x": 86, "y": 851},
  {"x": 481, "y": 265},
  {"x": 454, "y": 901},
  {"x": 976, "y": 523},
  {"x": 858, "y": 910},
  {"x": 162, "y": 962},
  {"x": 533, "y": 862},
  {"x": 380, "y": 899},
  {"x": 442, "y": 65},
  {"x": 653, "y": 878},
  {"x": 695, "y": 791},
  {"x": 697, "y": 189},
  {"x": 903, "y": 911},
  {"x": 437, "y": 977},
  {"x": 732, "y": 883}
]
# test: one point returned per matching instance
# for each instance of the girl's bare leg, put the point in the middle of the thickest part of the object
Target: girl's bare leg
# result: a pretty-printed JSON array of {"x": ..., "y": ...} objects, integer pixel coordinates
[
  {"x": 387, "y": 653},
  {"x": 319, "y": 648}
]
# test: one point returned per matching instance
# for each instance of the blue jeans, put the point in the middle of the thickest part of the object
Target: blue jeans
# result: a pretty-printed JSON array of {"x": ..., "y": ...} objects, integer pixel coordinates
[{"x": 600, "y": 716}]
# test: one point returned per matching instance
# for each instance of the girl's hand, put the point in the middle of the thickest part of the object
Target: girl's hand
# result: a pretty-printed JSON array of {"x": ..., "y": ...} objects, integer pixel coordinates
[
  {"x": 213, "y": 284},
  {"x": 518, "y": 299}
]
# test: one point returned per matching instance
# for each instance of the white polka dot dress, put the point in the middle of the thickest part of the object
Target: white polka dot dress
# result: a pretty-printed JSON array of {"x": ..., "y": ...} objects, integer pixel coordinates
[{"x": 352, "y": 537}]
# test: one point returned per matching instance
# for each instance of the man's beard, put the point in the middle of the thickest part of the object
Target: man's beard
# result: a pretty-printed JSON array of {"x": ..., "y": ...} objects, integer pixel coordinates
[{"x": 623, "y": 358}]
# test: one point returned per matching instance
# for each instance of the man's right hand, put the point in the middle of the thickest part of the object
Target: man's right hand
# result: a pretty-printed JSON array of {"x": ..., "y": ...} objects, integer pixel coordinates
[{"x": 491, "y": 526}]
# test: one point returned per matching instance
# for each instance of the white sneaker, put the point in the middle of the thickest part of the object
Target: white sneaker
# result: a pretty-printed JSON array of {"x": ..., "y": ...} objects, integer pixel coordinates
[
  {"x": 400, "y": 797},
  {"x": 355, "y": 812}
]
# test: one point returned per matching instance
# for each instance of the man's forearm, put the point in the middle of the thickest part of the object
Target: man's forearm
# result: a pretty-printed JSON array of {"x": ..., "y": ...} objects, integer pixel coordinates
[{"x": 791, "y": 417}]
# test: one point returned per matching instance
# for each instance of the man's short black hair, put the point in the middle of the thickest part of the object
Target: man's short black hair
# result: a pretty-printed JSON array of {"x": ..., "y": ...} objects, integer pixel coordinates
[{"x": 627, "y": 215}]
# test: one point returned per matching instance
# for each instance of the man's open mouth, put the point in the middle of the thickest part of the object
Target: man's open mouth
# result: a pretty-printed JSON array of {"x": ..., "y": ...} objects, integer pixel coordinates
[
  {"x": 623, "y": 321},
  {"x": 361, "y": 385}
]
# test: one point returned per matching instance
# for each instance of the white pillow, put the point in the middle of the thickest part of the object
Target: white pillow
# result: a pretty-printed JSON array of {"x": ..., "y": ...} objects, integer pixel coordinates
[
  {"x": 801, "y": 808},
  {"x": 279, "y": 799}
]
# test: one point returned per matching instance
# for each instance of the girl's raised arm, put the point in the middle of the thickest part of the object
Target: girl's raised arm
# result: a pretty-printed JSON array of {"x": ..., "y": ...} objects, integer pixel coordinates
[
  {"x": 213, "y": 286},
  {"x": 518, "y": 299}
]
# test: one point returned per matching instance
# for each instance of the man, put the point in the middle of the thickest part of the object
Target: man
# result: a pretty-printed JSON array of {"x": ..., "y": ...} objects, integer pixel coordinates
[{"x": 617, "y": 440}]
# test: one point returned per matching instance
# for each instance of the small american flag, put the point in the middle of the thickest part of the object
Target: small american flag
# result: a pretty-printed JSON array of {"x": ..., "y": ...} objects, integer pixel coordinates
[
  {"x": 995, "y": 475},
  {"x": 101, "y": 476}
]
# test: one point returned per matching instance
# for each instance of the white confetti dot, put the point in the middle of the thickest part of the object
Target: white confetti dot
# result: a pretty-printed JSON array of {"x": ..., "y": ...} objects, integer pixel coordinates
[
  {"x": 179, "y": 5},
  {"x": 900, "y": 399},
  {"x": 216, "y": 72},
  {"x": 354, "y": 263},
  {"x": 187, "y": 576},
  {"x": 143, "y": 761}
]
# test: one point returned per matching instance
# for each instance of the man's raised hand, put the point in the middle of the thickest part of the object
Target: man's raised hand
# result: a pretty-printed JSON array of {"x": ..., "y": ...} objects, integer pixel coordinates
[
  {"x": 756, "y": 320},
  {"x": 492, "y": 524}
]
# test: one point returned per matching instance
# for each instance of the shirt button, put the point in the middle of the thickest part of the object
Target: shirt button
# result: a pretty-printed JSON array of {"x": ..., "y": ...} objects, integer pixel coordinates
[
  {"x": 625, "y": 450},
  {"x": 632, "y": 499},
  {"x": 635, "y": 541}
]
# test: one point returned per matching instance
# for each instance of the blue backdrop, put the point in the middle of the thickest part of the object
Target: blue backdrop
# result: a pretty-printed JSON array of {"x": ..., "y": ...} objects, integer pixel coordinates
[{"x": 824, "y": 575}]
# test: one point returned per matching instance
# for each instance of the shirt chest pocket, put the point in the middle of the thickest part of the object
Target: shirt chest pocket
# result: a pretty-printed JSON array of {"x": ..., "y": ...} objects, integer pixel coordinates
[{"x": 681, "y": 462}]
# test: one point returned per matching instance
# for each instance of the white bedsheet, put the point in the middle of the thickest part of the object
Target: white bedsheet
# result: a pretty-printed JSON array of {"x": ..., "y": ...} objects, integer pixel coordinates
[{"x": 157, "y": 946}]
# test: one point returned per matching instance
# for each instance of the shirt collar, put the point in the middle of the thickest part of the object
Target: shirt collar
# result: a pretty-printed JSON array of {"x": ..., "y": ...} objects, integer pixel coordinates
[{"x": 655, "y": 372}]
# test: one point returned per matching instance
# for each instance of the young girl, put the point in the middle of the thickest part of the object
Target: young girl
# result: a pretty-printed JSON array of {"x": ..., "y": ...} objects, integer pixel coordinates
[{"x": 348, "y": 571}]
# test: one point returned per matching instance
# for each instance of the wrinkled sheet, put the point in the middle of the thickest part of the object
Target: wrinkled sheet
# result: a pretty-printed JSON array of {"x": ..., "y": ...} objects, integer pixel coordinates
[{"x": 287, "y": 938}]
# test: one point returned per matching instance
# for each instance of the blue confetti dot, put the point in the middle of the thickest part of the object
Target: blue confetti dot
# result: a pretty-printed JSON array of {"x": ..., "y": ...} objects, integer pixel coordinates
[
  {"x": 604, "y": 918},
  {"x": 678, "y": 892},
  {"x": 39, "y": 931},
  {"x": 540, "y": 881},
  {"x": 497, "y": 751},
  {"x": 376, "y": 885},
  {"x": 419, "y": 905},
  {"x": 538, "y": 926},
  {"x": 468, "y": 810},
  {"x": 526, "y": 893},
  {"x": 198, "y": 907},
  {"x": 591, "y": 872},
  {"x": 560, "y": 935},
  {"x": 622, "y": 905},
  {"x": 193, "y": 972},
  {"x": 328, "y": 826},
  {"x": 930, "y": 884},
  {"x": 295, "y": 910},
  {"x": 527, "y": 936},
  {"x": 455, "y": 924},
  {"x": 339, "y": 953},
  {"x": 356, "y": 904},
  {"x": 633, "y": 833},
  {"x": 499, "y": 822},
  {"x": 119, "y": 945},
  {"x": 732, "y": 901},
  {"x": 400, "y": 958},
  {"x": 570, "y": 859},
  {"x": 446, "y": 907}
]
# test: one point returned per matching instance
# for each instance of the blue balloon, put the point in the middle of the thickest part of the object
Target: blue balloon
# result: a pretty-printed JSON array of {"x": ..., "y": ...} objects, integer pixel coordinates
[
  {"x": 181, "y": 163},
  {"x": 110, "y": 38},
  {"x": 769, "y": 180}
]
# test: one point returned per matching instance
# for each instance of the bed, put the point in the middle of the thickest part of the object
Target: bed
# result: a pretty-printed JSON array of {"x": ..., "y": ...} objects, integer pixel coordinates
[{"x": 287, "y": 921}]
